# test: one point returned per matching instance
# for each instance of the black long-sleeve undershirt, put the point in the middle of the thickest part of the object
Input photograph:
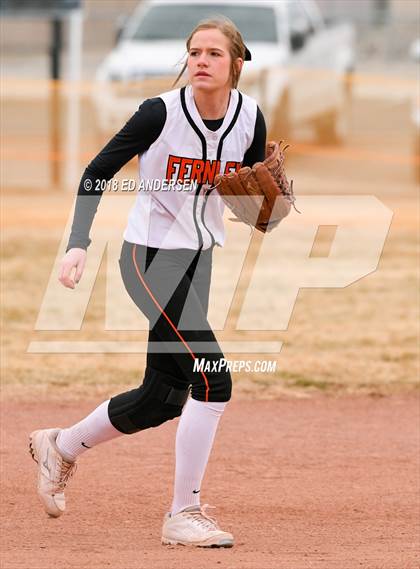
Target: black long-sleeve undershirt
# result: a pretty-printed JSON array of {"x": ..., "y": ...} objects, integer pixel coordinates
[{"x": 137, "y": 135}]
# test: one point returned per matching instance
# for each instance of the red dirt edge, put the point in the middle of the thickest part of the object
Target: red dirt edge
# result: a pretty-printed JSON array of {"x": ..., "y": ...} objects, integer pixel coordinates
[{"x": 314, "y": 483}]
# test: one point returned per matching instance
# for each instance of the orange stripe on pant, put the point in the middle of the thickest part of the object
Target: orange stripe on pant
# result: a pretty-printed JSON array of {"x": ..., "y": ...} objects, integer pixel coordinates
[{"x": 175, "y": 329}]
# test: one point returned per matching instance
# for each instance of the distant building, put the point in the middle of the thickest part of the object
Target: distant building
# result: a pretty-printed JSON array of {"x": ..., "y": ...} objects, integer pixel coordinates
[
  {"x": 361, "y": 12},
  {"x": 371, "y": 12}
]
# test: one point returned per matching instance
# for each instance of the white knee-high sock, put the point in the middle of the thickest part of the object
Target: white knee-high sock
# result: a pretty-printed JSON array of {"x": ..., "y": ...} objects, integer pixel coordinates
[
  {"x": 194, "y": 440},
  {"x": 94, "y": 429}
]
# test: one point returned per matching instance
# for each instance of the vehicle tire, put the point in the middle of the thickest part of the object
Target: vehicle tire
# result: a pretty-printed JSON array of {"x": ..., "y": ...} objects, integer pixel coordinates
[
  {"x": 349, "y": 85},
  {"x": 280, "y": 127},
  {"x": 416, "y": 155},
  {"x": 331, "y": 127}
]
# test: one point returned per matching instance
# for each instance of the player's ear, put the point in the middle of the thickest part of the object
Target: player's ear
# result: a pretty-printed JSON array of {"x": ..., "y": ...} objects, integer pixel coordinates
[
  {"x": 239, "y": 63},
  {"x": 237, "y": 66}
]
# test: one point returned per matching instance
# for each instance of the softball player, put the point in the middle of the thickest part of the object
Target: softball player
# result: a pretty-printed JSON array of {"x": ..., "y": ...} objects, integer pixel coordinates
[{"x": 183, "y": 137}]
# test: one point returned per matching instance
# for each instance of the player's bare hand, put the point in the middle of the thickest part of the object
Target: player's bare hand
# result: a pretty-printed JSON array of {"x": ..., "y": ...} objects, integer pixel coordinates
[{"x": 71, "y": 267}]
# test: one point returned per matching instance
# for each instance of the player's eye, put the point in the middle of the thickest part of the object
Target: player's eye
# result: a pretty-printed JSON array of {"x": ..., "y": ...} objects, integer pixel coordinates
[
  {"x": 215, "y": 53},
  {"x": 193, "y": 52}
]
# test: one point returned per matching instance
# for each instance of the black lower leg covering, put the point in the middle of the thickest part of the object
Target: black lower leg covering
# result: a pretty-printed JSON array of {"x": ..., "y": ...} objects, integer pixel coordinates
[{"x": 149, "y": 405}]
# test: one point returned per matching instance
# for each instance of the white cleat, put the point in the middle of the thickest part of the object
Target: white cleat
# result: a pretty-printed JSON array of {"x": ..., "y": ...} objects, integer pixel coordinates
[
  {"x": 53, "y": 471},
  {"x": 193, "y": 526}
]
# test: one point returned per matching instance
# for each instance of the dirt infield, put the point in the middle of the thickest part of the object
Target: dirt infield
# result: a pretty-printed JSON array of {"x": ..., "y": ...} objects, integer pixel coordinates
[{"x": 321, "y": 482}]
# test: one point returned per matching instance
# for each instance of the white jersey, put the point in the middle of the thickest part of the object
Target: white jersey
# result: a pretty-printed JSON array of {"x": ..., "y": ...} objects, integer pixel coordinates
[{"x": 176, "y": 205}]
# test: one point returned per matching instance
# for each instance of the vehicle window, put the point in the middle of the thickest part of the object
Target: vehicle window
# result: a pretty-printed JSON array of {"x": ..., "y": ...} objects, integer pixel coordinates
[
  {"x": 175, "y": 21},
  {"x": 299, "y": 20}
]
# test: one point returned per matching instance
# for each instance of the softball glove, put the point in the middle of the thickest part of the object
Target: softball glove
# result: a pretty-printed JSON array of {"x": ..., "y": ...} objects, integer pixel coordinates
[{"x": 260, "y": 196}]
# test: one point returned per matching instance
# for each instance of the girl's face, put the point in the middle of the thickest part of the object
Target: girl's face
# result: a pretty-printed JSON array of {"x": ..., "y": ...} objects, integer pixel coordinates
[{"x": 209, "y": 61}]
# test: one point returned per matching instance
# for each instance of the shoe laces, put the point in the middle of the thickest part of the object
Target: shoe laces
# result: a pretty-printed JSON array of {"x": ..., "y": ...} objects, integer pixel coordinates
[
  {"x": 67, "y": 470},
  {"x": 202, "y": 518}
]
